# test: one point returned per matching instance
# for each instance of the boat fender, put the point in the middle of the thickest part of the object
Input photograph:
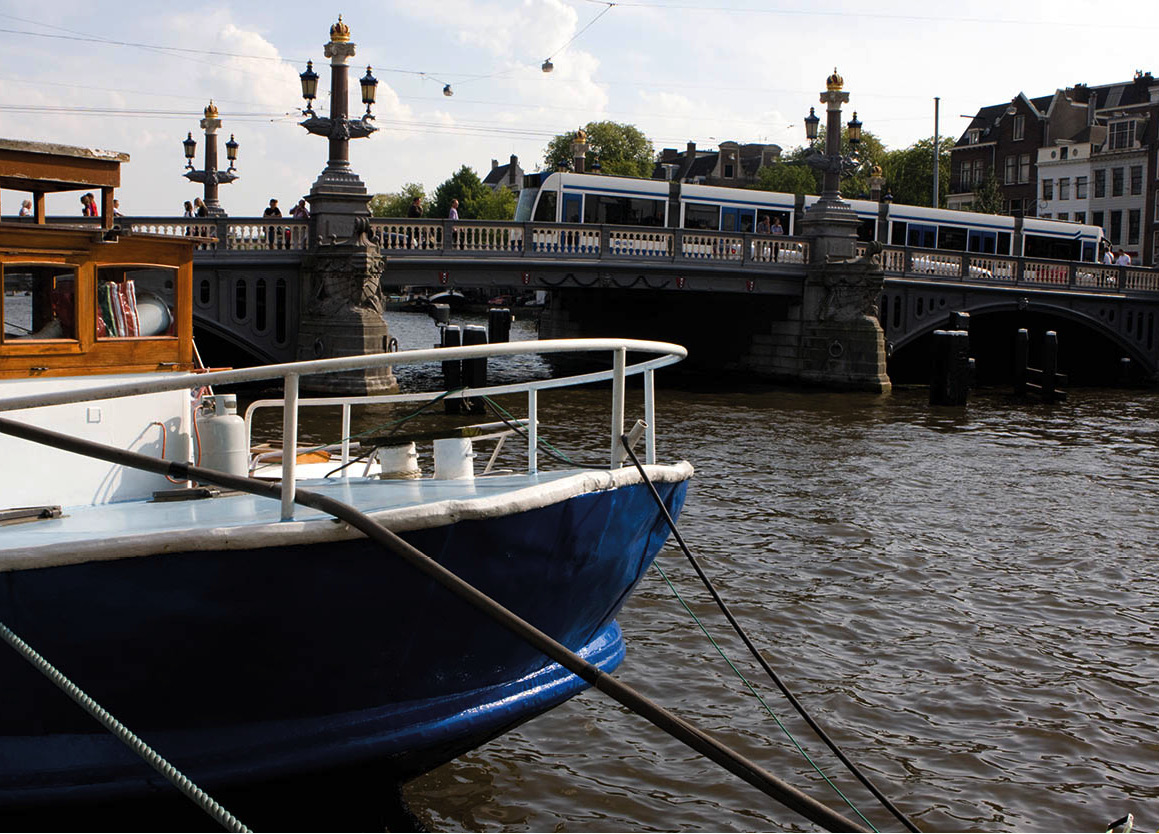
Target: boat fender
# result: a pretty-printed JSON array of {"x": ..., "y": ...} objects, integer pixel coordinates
[
  {"x": 223, "y": 436},
  {"x": 454, "y": 459}
]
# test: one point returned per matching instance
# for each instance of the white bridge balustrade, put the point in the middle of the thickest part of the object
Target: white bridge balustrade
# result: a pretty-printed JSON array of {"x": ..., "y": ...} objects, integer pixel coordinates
[{"x": 426, "y": 240}]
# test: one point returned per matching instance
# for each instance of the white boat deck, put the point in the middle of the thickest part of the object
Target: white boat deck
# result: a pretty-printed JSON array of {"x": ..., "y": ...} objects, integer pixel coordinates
[{"x": 241, "y": 521}]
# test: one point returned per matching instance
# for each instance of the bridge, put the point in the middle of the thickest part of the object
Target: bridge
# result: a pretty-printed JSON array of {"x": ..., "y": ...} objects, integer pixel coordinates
[{"x": 247, "y": 289}]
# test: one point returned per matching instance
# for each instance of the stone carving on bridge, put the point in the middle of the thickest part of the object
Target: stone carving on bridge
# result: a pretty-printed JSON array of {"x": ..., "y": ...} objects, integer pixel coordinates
[
  {"x": 345, "y": 278},
  {"x": 850, "y": 288}
]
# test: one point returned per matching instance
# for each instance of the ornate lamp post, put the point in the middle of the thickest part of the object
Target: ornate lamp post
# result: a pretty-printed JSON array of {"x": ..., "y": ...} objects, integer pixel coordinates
[
  {"x": 831, "y": 162},
  {"x": 338, "y": 190},
  {"x": 209, "y": 176}
]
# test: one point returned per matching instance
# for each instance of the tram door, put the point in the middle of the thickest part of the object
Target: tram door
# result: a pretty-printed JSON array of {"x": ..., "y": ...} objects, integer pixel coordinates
[
  {"x": 982, "y": 242},
  {"x": 572, "y": 208},
  {"x": 737, "y": 219}
]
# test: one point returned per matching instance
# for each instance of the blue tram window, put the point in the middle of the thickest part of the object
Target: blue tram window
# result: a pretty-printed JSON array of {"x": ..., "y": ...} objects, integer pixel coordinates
[
  {"x": 983, "y": 242},
  {"x": 921, "y": 236}
]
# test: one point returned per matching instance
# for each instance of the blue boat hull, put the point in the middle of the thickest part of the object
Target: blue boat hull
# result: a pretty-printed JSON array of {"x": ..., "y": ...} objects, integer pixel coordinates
[{"x": 240, "y": 666}]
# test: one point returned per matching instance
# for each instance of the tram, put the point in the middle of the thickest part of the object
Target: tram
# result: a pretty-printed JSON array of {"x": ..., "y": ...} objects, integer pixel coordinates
[{"x": 560, "y": 197}]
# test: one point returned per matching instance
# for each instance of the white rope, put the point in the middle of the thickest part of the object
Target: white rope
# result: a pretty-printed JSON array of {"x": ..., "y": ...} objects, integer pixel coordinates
[{"x": 131, "y": 740}]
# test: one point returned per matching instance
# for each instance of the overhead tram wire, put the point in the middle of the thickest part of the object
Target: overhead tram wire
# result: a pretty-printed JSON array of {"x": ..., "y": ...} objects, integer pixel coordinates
[{"x": 547, "y": 63}]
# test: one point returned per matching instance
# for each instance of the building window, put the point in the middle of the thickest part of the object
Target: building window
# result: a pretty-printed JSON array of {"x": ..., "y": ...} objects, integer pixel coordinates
[
  {"x": 728, "y": 169},
  {"x": 1080, "y": 217},
  {"x": 1011, "y": 170},
  {"x": 973, "y": 136},
  {"x": 1116, "y": 234},
  {"x": 979, "y": 171},
  {"x": 1062, "y": 215},
  {"x": 1133, "y": 224},
  {"x": 1122, "y": 134},
  {"x": 1024, "y": 168},
  {"x": 1136, "y": 179},
  {"x": 1101, "y": 182},
  {"x": 1045, "y": 216},
  {"x": 1097, "y": 219},
  {"x": 1080, "y": 188},
  {"x": 1064, "y": 189},
  {"x": 1048, "y": 189},
  {"x": 1116, "y": 182},
  {"x": 1019, "y": 128}
]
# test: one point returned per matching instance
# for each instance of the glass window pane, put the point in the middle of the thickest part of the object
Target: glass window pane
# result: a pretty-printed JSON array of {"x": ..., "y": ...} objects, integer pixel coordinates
[
  {"x": 39, "y": 302},
  {"x": 136, "y": 301}
]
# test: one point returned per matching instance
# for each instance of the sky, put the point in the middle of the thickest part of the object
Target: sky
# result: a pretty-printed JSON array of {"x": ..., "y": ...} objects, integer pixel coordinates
[{"x": 135, "y": 77}]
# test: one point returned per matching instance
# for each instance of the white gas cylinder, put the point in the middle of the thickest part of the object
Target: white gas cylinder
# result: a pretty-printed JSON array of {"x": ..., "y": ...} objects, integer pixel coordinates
[{"x": 222, "y": 436}]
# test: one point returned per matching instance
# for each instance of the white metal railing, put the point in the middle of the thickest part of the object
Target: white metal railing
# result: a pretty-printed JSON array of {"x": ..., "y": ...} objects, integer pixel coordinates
[{"x": 662, "y": 353}]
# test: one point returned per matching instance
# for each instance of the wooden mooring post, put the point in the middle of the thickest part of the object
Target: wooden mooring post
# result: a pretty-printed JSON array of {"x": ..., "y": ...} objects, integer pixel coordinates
[
  {"x": 952, "y": 365},
  {"x": 1044, "y": 383}
]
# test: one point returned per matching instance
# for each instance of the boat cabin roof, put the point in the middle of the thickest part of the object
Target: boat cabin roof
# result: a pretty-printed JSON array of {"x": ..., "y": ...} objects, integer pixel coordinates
[{"x": 41, "y": 168}]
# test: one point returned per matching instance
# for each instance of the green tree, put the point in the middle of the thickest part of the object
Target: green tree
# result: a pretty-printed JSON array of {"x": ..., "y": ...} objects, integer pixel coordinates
[
  {"x": 492, "y": 205},
  {"x": 909, "y": 172},
  {"x": 988, "y": 196},
  {"x": 463, "y": 185},
  {"x": 397, "y": 204},
  {"x": 787, "y": 178},
  {"x": 623, "y": 150}
]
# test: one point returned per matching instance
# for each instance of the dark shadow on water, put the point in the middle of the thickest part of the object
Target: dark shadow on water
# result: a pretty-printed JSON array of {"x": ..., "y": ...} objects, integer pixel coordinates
[{"x": 342, "y": 800}]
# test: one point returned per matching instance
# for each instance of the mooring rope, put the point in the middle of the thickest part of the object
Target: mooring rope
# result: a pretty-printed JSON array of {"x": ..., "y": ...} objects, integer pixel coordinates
[
  {"x": 131, "y": 740},
  {"x": 760, "y": 658},
  {"x": 732, "y": 761}
]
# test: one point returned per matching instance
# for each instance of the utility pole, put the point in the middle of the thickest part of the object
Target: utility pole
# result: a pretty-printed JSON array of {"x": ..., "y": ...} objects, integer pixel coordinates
[{"x": 934, "y": 201}]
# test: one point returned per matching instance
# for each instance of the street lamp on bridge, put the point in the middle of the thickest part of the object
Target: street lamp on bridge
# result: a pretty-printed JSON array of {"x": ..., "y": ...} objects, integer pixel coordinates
[
  {"x": 831, "y": 162},
  {"x": 209, "y": 176},
  {"x": 338, "y": 127}
]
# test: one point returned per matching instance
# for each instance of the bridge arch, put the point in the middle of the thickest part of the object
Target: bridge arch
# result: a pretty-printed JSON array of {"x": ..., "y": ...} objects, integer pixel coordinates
[
  {"x": 220, "y": 345},
  {"x": 1123, "y": 331}
]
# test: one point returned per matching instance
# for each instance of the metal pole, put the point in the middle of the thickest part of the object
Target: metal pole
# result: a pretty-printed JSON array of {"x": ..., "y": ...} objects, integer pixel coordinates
[
  {"x": 619, "y": 359},
  {"x": 289, "y": 445},
  {"x": 212, "y": 205},
  {"x": 934, "y": 201},
  {"x": 532, "y": 432},
  {"x": 650, "y": 416}
]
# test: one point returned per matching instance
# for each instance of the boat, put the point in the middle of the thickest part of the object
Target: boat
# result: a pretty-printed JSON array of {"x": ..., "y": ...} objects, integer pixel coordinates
[{"x": 193, "y": 590}]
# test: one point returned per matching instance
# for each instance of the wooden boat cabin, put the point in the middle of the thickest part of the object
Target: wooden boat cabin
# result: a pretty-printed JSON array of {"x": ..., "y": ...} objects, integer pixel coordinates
[{"x": 87, "y": 297}]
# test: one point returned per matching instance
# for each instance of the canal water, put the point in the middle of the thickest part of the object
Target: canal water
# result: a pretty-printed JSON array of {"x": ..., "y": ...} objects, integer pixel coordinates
[{"x": 966, "y": 599}]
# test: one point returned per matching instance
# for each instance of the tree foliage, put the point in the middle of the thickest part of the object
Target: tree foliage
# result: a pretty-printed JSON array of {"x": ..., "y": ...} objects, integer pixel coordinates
[
  {"x": 476, "y": 200},
  {"x": 909, "y": 172},
  {"x": 988, "y": 195},
  {"x": 397, "y": 203},
  {"x": 787, "y": 178},
  {"x": 622, "y": 149}
]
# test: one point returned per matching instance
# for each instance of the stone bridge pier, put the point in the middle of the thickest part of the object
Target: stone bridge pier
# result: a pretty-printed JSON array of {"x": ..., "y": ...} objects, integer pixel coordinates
[{"x": 825, "y": 334}]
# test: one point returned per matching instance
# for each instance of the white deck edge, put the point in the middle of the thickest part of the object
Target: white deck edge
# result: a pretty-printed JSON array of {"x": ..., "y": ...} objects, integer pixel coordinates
[{"x": 321, "y": 530}]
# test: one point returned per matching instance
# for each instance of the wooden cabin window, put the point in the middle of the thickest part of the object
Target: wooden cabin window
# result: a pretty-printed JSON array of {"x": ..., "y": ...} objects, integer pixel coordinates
[
  {"x": 136, "y": 302},
  {"x": 39, "y": 302}
]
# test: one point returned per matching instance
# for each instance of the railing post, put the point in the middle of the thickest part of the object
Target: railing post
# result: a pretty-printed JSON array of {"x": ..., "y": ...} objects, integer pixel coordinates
[
  {"x": 289, "y": 444},
  {"x": 677, "y": 244},
  {"x": 650, "y": 416},
  {"x": 532, "y": 432},
  {"x": 222, "y": 234},
  {"x": 605, "y": 243},
  {"x": 619, "y": 360},
  {"x": 345, "y": 439},
  {"x": 448, "y": 237}
]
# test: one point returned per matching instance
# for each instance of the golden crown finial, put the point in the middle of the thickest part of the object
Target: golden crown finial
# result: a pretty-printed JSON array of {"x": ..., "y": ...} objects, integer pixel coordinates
[
  {"x": 580, "y": 136},
  {"x": 834, "y": 82},
  {"x": 339, "y": 32},
  {"x": 877, "y": 170},
  {"x": 211, "y": 110}
]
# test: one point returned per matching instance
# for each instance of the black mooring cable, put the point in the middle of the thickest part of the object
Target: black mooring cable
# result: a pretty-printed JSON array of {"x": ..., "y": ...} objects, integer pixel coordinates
[
  {"x": 797, "y": 705},
  {"x": 675, "y": 726}
]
